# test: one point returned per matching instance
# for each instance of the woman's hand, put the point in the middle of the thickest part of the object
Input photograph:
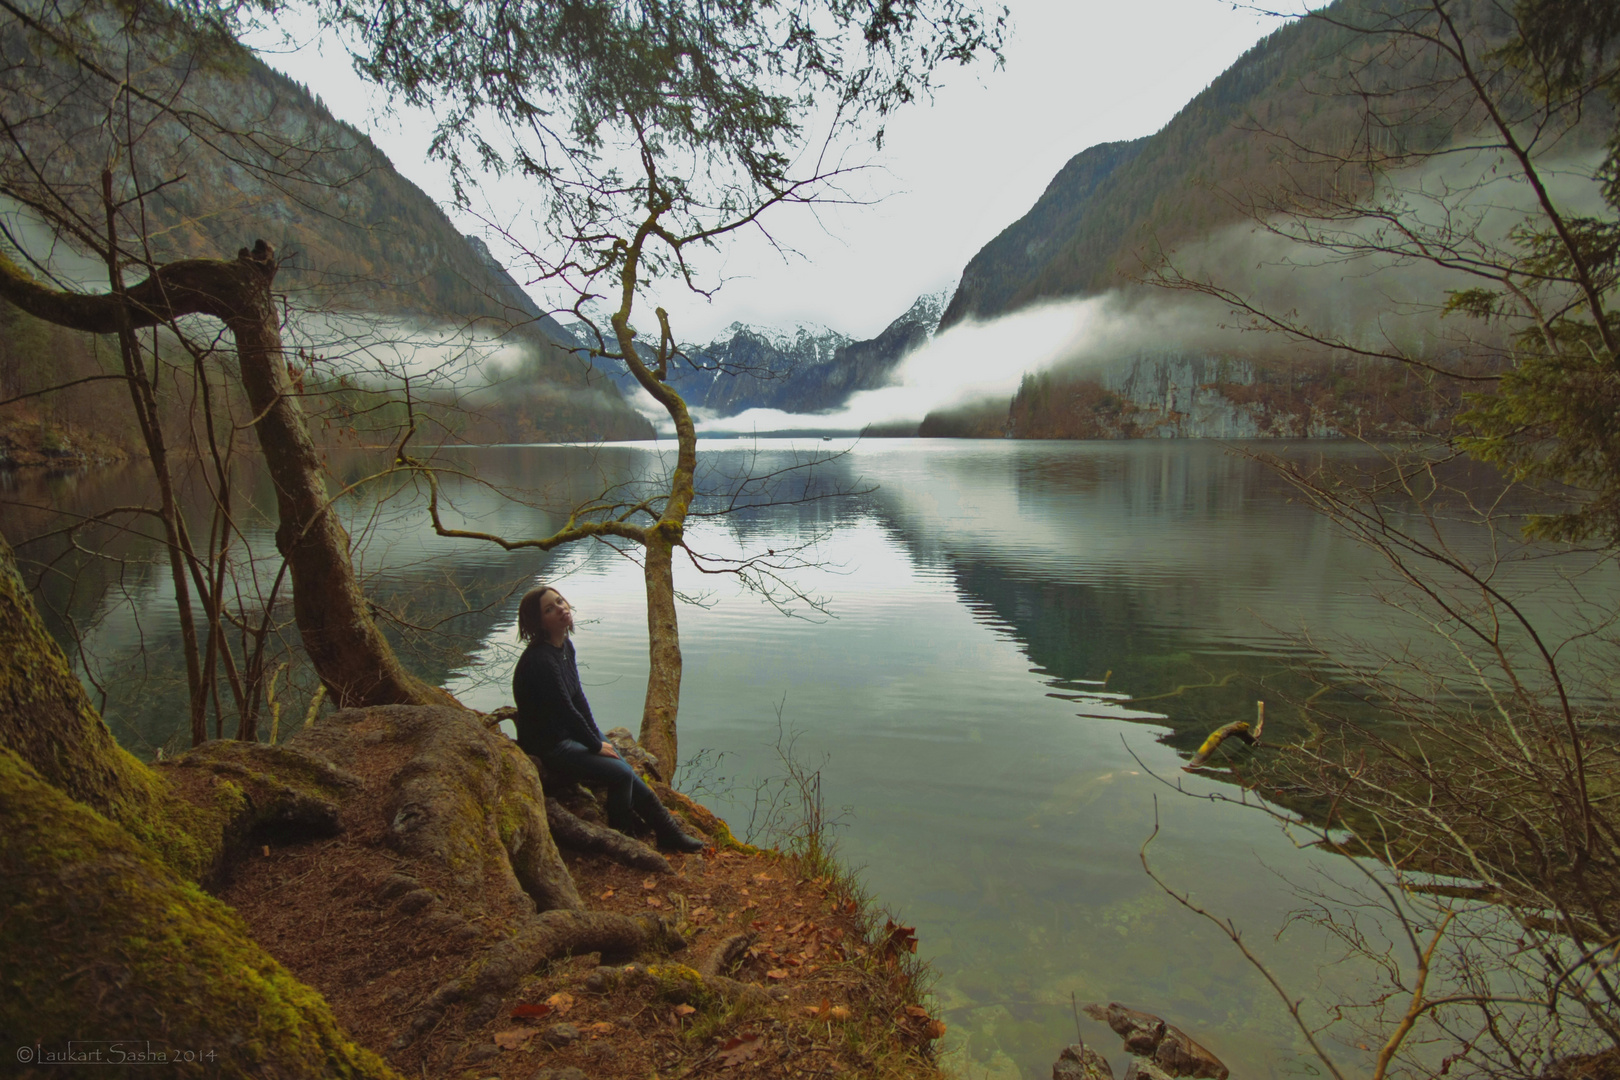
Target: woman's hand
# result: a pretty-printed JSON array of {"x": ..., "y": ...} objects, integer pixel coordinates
[{"x": 608, "y": 751}]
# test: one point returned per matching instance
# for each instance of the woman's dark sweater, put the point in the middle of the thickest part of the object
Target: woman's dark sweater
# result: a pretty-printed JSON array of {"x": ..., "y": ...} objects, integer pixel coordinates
[{"x": 551, "y": 705}]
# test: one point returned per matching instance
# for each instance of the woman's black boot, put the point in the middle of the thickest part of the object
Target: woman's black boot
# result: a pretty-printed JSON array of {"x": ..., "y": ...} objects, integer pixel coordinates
[{"x": 671, "y": 837}]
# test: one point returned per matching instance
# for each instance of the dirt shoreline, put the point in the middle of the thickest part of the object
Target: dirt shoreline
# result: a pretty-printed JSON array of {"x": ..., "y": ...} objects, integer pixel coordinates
[{"x": 839, "y": 989}]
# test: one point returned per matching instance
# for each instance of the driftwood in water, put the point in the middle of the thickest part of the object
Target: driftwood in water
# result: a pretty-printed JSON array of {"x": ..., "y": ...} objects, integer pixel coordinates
[{"x": 1239, "y": 729}]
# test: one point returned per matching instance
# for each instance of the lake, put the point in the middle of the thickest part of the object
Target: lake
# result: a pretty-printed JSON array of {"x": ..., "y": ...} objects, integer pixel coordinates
[{"x": 1015, "y": 637}]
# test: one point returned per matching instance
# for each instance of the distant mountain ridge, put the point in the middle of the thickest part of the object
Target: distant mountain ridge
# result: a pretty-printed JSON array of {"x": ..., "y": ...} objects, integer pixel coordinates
[{"x": 808, "y": 369}]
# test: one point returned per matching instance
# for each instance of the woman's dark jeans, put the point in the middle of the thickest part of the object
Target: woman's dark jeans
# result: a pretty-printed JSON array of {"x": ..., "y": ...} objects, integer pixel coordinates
[{"x": 627, "y": 793}]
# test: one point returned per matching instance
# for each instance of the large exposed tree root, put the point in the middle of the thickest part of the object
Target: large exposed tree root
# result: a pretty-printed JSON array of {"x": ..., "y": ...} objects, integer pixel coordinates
[
  {"x": 452, "y": 872},
  {"x": 451, "y": 796},
  {"x": 549, "y": 936},
  {"x": 727, "y": 953},
  {"x": 577, "y": 834}
]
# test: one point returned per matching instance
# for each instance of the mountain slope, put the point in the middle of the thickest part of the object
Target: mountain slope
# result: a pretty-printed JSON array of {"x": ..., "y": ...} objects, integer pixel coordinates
[
  {"x": 1115, "y": 207},
  {"x": 258, "y": 157}
]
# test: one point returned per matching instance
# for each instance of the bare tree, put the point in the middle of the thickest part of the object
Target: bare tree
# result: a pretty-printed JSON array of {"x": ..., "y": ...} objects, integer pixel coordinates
[{"x": 667, "y": 130}]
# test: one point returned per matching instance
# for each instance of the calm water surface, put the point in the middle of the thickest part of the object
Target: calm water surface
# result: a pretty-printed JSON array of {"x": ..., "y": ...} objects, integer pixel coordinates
[{"x": 1017, "y": 635}]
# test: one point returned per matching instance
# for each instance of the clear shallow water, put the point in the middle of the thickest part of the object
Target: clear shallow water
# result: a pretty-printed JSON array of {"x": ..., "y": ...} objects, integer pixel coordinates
[{"x": 995, "y": 791}]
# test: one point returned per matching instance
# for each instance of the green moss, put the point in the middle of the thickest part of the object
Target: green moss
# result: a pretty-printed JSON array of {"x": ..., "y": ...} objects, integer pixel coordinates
[
  {"x": 681, "y": 984},
  {"x": 509, "y": 819},
  {"x": 723, "y": 838},
  {"x": 103, "y": 940},
  {"x": 191, "y": 837}
]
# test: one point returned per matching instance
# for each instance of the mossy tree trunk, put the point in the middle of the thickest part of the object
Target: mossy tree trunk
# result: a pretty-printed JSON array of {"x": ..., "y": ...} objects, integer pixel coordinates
[
  {"x": 47, "y": 720},
  {"x": 342, "y": 640},
  {"x": 103, "y": 940},
  {"x": 104, "y": 860},
  {"x": 105, "y": 937}
]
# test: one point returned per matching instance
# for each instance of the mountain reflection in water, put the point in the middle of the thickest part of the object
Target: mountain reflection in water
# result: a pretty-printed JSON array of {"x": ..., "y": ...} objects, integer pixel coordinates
[{"x": 1015, "y": 630}]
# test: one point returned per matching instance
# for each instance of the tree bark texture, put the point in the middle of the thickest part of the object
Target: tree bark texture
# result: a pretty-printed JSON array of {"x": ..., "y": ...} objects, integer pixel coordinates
[
  {"x": 47, "y": 720},
  {"x": 463, "y": 803},
  {"x": 343, "y": 642},
  {"x": 658, "y": 713}
]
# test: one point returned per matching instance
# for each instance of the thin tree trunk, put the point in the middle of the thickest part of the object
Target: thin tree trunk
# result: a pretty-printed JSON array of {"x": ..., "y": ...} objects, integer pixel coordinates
[
  {"x": 663, "y": 653},
  {"x": 146, "y": 412}
]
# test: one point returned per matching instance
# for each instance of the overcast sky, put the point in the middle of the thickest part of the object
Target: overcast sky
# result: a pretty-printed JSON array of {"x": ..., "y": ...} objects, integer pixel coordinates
[{"x": 952, "y": 174}]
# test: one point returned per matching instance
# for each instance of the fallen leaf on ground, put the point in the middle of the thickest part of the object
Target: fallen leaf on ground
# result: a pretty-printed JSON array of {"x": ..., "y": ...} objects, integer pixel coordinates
[
  {"x": 740, "y": 1048},
  {"x": 521, "y": 1011},
  {"x": 601, "y": 1027},
  {"x": 684, "y": 1010},
  {"x": 650, "y": 883},
  {"x": 917, "y": 1011},
  {"x": 561, "y": 1002},
  {"x": 935, "y": 1029},
  {"x": 605, "y": 895},
  {"x": 776, "y": 973},
  {"x": 653, "y": 901},
  {"x": 839, "y": 1013},
  {"x": 514, "y": 1039}
]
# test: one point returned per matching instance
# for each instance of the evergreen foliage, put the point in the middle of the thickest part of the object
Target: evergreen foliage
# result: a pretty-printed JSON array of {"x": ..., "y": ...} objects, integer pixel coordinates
[{"x": 1556, "y": 415}]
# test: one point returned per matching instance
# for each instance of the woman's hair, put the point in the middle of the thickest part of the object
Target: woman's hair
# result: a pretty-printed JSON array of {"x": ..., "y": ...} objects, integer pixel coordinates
[{"x": 529, "y": 612}]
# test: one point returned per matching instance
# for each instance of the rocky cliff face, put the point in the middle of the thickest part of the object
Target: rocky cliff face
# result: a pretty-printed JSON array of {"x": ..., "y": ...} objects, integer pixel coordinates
[{"x": 1175, "y": 394}]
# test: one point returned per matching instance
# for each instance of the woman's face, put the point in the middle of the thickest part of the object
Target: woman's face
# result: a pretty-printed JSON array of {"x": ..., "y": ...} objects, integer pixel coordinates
[{"x": 556, "y": 617}]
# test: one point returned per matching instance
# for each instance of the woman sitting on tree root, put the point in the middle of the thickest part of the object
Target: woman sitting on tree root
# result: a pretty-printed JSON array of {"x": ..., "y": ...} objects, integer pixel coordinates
[{"x": 554, "y": 721}]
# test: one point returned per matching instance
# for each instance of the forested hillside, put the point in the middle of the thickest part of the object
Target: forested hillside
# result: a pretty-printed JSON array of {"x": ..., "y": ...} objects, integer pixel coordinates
[
  {"x": 354, "y": 235},
  {"x": 1115, "y": 208}
]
